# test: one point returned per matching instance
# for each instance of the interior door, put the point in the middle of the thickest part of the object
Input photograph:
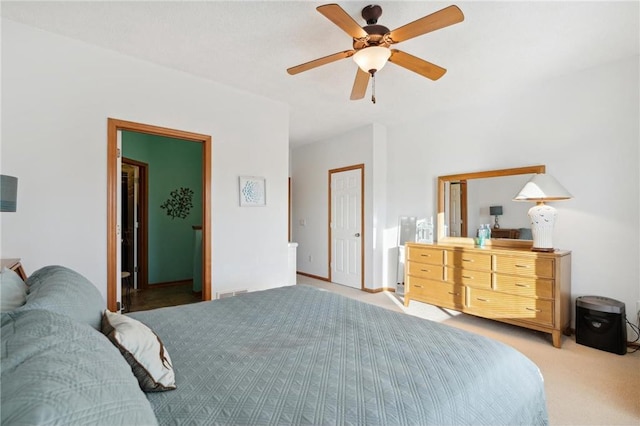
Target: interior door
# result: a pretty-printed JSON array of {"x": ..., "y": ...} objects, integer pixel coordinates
[
  {"x": 346, "y": 227},
  {"x": 455, "y": 212}
]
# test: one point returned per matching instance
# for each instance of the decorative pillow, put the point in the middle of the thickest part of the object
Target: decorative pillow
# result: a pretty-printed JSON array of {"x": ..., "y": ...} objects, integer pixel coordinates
[
  {"x": 13, "y": 291},
  {"x": 58, "y": 371},
  {"x": 62, "y": 290},
  {"x": 142, "y": 349}
]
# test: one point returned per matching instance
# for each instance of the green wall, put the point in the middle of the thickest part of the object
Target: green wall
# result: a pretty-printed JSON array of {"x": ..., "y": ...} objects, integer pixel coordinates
[{"x": 173, "y": 164}]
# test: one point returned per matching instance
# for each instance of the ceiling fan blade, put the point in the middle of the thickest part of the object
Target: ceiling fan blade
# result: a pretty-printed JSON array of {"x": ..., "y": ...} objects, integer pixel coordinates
[
  {"x": 320, "y": 61},
  {"x": 338, "y": 16},
  {"x": 360, "y": 85},
  {"x": 440, "y": 19},
  {"x": 417, "y": 65}
]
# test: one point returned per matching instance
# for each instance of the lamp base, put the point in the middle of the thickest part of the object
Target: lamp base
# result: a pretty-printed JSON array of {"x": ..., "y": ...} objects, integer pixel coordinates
[{"x": 542, "y": 219}]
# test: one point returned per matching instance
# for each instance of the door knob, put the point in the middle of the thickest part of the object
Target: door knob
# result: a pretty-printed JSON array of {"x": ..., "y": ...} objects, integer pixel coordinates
[{"x": 357, "y": 234}]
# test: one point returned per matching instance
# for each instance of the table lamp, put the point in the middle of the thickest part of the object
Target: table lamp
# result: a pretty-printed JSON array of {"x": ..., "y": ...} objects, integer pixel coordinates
[
  {"x": 8, "y": 193},
  {"x": 495, "y": 211},
  {"x": 541, "y": 188}
]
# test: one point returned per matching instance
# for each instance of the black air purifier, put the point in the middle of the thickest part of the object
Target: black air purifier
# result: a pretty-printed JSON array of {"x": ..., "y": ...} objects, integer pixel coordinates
[{"x": 601, "y": 324}]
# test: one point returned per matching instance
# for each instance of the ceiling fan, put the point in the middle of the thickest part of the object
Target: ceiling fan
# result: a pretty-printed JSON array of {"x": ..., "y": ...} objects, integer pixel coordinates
[{"x": 372, "y": 44}]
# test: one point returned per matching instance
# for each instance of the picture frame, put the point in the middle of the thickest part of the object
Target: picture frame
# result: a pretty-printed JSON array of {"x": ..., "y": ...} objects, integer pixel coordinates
[{"x": 252, "y": 191}]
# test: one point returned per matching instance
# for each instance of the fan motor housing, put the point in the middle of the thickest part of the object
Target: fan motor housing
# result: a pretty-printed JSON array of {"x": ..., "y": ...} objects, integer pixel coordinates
[{"x": 376, "y": 37}]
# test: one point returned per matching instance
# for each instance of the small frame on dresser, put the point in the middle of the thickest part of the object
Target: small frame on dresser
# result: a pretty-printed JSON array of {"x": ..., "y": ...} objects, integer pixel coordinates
[{"x": 252, "y": 191}]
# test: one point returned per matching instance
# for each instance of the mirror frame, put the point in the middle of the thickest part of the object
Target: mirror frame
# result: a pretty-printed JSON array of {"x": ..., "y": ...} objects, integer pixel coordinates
[{"x": 496, "y": 242}]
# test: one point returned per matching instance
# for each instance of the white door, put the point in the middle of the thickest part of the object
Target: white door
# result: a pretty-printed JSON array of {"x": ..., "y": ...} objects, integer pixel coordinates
[
  {"x": 346, "y": 228},
  {"x": 455, "y": 211}
]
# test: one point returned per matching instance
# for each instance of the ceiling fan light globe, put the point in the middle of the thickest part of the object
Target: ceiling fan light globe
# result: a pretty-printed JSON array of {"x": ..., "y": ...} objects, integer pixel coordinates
[{"x": 372, "y": 58}]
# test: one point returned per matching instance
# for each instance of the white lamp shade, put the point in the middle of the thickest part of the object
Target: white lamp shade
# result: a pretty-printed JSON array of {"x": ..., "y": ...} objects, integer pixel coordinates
[
  {"x": 372, "y": 58},
  {"x": 542, "y": 187}
]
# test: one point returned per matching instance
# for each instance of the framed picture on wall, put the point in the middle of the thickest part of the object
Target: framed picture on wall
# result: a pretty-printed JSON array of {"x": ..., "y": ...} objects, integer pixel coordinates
[{"x": 252, "y": 191}]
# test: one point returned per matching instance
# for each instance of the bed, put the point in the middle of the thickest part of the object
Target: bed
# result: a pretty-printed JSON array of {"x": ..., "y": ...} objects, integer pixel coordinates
[{"x": 299, "y": 355}]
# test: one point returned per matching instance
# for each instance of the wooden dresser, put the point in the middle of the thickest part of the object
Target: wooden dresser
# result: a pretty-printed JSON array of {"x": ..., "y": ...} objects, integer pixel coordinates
[{"x": 518, "y": 286}]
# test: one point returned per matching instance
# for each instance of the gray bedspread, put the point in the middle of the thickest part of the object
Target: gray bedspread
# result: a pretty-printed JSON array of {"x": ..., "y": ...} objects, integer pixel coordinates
[{"x": 299, "y": 355}]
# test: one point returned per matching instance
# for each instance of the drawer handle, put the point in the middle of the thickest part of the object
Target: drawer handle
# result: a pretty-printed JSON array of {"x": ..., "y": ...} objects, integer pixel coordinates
[
  {"x": 425, "y": 255},
  {"x": 417, "y": 286},
  {"x": 522, "y": 285},
  {"x": 453, "y": 294},
  {"x": 523, "y": 266},
  {"x": 469, "y": 277},
  {"x": 425, "y": 270},
  {"x": 534, "y": 310},
  {"x": 481, "y": 299},
  {"x": 467, "y": 260}
]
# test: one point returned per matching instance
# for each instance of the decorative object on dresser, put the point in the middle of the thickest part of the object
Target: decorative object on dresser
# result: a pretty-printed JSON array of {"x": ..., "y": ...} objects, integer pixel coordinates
[
  {"x": 517, "y": 286},
  {"x": 541, "y": 188},
  {"x": 495, "y": 211},
  {"x": 8, "y": 193}
]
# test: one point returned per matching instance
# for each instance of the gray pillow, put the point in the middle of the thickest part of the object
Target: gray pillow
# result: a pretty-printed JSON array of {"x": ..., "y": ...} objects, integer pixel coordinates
[
  {"x": 13, "y": 291},
  {"x": 62, "y": 290},
  {"x": 58, "y": 371}
]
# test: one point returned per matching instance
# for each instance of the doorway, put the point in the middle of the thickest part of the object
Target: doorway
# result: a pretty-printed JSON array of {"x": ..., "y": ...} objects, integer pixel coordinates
[
  {"x": 458, "y": 209},
  {"x": 346, "y": 218},
  {"x": 114, "y": 234},
  {"x": 135, "y": 223}
]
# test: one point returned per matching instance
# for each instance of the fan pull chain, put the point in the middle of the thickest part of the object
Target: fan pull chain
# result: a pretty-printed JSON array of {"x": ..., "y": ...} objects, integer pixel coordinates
[{"x": 373, "y": 87}]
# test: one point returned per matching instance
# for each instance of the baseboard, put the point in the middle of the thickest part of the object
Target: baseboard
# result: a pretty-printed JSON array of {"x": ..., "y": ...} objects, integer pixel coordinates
[
  {"x": 368, "y": 290},
  {"x": 170, "y": 283},
  {"x": 379, "y": 290},
  {"x": 313, "y": 276}
]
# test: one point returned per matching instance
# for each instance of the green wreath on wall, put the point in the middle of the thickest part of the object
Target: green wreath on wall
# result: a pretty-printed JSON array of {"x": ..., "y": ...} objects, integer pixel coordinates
[{"x": 179, "y": 203}]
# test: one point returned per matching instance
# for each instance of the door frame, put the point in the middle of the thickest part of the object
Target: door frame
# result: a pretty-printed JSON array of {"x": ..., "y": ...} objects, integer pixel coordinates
[
  {"x": 362, "y": 232},
  {"x": 463, "y": 206},
  {"x": 142, "y": 252},
  {"x": 113, "y": 180}
]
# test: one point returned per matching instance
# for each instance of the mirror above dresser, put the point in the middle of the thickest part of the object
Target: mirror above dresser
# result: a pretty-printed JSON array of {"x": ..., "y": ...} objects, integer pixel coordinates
[{"x": 464, "y": 202}]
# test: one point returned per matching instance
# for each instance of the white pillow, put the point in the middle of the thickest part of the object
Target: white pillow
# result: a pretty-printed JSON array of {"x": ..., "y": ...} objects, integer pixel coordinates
[
  {"x": 13, "y": 291},
  {"x": 142, "y": 349}
]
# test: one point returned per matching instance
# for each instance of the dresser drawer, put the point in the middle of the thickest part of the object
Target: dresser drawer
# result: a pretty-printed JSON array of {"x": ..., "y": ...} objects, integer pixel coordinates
[
  {"x": 524, "y": 286},
  {"x": 506, "y": 306},
  {"x": 469, "y": 260},
  {"x": 437, "y": 293},
  {"x": 425, "y": 270},
  {"x": 426, "y": 254},
  {"x": 470, "y": 277},
  {"x": 526, "y": 266}
]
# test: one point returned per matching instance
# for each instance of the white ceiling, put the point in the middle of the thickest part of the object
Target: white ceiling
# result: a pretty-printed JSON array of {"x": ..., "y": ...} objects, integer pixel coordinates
[{"x": 499, "y": 48}]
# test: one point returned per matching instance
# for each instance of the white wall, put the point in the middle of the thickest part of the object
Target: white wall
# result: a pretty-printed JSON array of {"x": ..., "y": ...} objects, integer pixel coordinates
[
  {"x": 584, "y": 127},
  {"x": 310, "y": 173},
  {"x": 56, "y": 96}
]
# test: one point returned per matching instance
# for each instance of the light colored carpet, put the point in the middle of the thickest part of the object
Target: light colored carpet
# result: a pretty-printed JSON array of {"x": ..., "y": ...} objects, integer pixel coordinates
[{"x": 584, "y": 386}]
